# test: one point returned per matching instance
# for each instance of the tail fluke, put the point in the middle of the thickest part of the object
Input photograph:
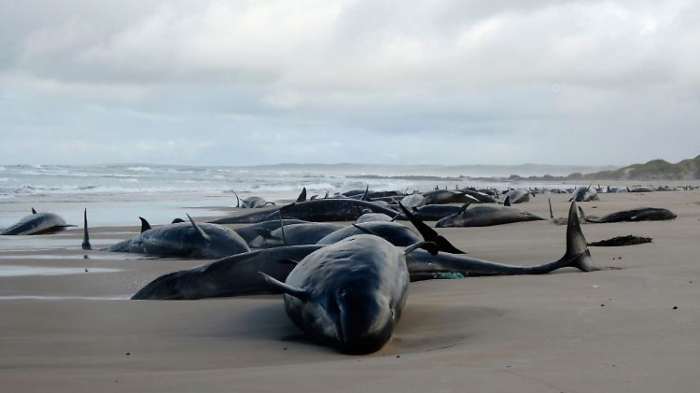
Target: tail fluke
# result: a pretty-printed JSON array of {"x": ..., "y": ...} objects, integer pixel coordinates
[{"x": 86, "y": 237}]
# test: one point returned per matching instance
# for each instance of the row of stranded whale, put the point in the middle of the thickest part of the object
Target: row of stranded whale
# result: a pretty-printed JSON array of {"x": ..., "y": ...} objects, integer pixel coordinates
[{"x": 343, "y": 285}]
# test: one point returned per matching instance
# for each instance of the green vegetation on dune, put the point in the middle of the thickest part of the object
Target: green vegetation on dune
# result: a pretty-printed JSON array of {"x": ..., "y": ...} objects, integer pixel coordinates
[{"x": 652, "y": 170}]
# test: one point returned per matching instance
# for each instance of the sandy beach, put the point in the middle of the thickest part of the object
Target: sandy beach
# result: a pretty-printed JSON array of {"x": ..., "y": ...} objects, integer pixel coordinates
[{"x": 635, "y": 328}]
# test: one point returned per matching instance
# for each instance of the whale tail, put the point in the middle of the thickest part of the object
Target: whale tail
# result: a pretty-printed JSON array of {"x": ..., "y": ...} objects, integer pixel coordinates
[
  {"x": 577, "y": 253},
  {"x": 86, "y": 237}
]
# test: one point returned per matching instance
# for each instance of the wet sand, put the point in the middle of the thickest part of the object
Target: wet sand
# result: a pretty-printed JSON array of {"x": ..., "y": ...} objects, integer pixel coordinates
[{"x": 635, "y": 329}]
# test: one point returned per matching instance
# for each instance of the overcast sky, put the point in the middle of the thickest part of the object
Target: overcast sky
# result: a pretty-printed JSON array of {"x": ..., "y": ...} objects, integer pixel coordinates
[{"x": 255, "y": 82}]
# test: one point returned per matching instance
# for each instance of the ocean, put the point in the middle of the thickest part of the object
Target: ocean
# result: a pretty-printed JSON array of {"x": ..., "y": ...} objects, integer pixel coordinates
[{"x": 118, "y": 194}]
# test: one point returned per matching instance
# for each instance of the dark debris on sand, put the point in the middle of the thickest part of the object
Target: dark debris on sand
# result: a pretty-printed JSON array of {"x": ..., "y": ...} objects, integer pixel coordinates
[{"x": 629, "y": 240}]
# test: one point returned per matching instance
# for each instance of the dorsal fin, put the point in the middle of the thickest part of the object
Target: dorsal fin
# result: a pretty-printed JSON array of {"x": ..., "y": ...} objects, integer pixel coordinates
[
  {"x": 285, "y": 288},
  {"x": 145, "y": 226},
  {"x": 177, "y": 220},
  {"x": 429, "y": 234},
  {"x": 33, "y": 211},
  {"x": 284, "y": 234},
  {"x": 238, "y": 200},
  {"x": 313, "y": 197},
  {"x": 302, "y": 196},
  {"x": 463, "y": 208},
  {"x": 198, "y": 229},
  {"x": 326, "y": 197},
  {"x": 86, "y": 237},
  {"x": 507, "y": 201},
  {"x": 430, "y": 247}
]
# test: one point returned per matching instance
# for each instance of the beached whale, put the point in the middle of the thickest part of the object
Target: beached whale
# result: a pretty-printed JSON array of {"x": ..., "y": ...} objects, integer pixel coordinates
[
  {"x": 413, "y": 200},
  {"x": 632, "y": 215},
  {"x": 321, "y": 210},
  {"x": 186, "y": 240},
  {"x": 250, "y": 232},
  {"x": 36, "y": 224},
  {"x": 432, "y": 212},
  {"x": 425, "y": 266},
  {"x": 584, "y": 194},
  {"x": 293, "y": 235},
  {"x": 255, "y": 217},
  {"x": 238, "y": 275},
  {"x": 482, "y": 197},
  {"x": 486, "y": 215},
  {"x": 394, "y": 233},
  {"x": 374, "y": 217},
  {"x": 253, "y": 202},
  {"x": 349, "y": 295},
  {"x": 446, "y": 196},
  {"x": 518, "y": 196}
]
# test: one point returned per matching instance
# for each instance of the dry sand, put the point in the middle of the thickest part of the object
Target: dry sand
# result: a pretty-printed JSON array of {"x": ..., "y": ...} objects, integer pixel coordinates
[{"x": 636, "y": 329}]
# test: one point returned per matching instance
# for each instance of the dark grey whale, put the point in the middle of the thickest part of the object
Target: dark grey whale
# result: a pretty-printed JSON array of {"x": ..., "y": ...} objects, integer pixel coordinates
[
  {"x": 250, "y": 232},
  {"x": 322, "y": 210},
  {"x": 236, "y": 275},
  {"x": 294, "y": 235},
  {"x": 394, "y": 233},
  {"x": 633, "y": 215},
  {"x": 36, "y": 224},
  {"x": 432, "y": 212},
  {"x": 425, "y": 266},
  {"x": 447, "y": 196},
  {"x": 187, "y": 240},
  {"x": 487, "y": 215},
  {"x": 255, "y": 217},
  {"x": 349, "y": 295}
]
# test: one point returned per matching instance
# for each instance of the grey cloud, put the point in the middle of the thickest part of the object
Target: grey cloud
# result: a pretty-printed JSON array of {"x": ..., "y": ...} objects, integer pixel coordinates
[{"x": 329, "y": 81}]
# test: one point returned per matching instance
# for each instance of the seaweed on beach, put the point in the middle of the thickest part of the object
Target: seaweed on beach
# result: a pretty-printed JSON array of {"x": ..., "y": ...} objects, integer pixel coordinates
[{"x": 629, "y": 240}]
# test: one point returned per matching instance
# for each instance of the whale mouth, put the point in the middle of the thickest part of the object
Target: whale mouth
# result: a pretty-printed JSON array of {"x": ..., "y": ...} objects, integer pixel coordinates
[{"x": 364, "y": 323}]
